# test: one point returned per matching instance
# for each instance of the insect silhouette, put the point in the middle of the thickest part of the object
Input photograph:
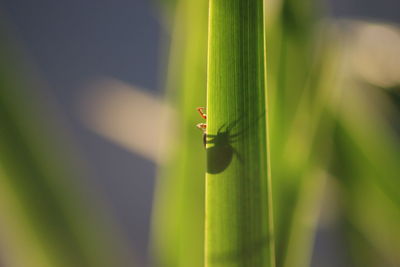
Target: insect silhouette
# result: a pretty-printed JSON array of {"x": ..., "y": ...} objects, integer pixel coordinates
[{"x": 220, "y": 154}]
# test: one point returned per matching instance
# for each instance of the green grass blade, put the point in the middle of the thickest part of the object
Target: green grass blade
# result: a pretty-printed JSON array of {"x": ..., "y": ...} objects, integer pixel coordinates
[
  {"x": 178, "y": 221},
  {"x": 237, "y": 190},
  {"x": 296, "y": 69}
]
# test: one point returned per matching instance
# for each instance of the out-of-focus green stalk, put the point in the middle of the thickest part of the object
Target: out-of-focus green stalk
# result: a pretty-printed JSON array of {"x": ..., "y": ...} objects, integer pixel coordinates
[
  {"x": 44, "y": 219},
  {"x": 178, "y": 220},
  {"x": 310, "y": 142},
  {"x": 238, "y": 193},
  {"x": 296, "y": 73},
  {"x": 368, "y": 167}
]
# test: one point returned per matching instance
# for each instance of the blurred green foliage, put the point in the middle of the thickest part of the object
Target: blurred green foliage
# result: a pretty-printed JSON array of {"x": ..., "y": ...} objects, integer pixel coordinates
[
  {"x": 332, "y": 142},
  {"x": 45, "y": 220},
  {"x": 178, "y": 221}
]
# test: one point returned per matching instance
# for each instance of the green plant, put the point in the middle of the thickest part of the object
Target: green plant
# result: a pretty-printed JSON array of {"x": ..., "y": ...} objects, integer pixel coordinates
[
  {"x": 178, "y": 217},
  {"x": 45, "y": 220},
  {"x": 238, "y": 194}
]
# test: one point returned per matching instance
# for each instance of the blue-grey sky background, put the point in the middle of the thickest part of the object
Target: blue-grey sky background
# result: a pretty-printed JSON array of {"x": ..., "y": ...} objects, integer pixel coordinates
[{"x": 72, "y": 42}]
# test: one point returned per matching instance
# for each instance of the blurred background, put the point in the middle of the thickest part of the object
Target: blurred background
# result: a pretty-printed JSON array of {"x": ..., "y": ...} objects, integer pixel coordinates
[{"x": 97, "y": 70}]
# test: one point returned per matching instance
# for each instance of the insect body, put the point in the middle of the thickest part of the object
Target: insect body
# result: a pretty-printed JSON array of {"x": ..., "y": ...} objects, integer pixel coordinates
[{"x": 220, "y": 154}]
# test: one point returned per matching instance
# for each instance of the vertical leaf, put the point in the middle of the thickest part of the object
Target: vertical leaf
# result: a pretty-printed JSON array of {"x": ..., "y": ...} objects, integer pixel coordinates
[
  {"x": 237, "y": 182},
  {"x": 178, "y": 221}
]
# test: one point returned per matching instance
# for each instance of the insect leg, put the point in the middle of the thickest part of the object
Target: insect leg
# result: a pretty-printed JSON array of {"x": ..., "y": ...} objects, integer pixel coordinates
[
  {"x": 202, "y": 114},
  {"x": 202, "y": 126},
  {"x": 239, "y": 157}
]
